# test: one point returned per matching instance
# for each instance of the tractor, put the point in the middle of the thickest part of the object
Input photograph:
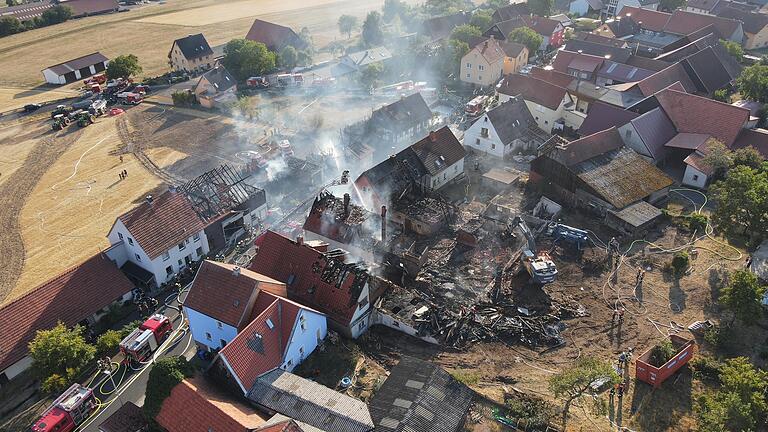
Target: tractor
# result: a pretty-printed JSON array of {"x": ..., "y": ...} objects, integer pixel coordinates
[
  {"x": 60, "y": 121},
  {"x": 61, "y": 109},
  {"x": 85, "y": 118}
]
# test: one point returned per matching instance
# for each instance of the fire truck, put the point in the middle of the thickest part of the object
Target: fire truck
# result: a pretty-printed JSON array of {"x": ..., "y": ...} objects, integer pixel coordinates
[
  {"x": 68, "y": 411},
  {"x": 476, "y": 106},
  {"x": 143, "y": 341}
]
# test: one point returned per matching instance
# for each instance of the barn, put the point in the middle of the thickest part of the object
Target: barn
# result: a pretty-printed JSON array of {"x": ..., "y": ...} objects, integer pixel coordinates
[{"x": 75, "y": 69}]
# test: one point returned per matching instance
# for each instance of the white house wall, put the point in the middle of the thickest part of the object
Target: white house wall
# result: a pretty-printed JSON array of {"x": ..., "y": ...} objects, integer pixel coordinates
[
  {"x": 474, "y": 139},
  {"x": 20, "y": 366},
  {"x": 694, "y": 177},
  {"x": 545, "y": 117},
  {"x": 445, "y": 176},
  {"x": 632, "y": 140},
  {"x": 200, "y": 324},
  {"x": 304, "y": 341}
]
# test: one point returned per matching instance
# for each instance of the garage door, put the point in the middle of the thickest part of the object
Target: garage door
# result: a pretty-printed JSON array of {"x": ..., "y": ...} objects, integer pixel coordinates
[
  {"x": 85, "y": 72},
  {"x": 70, "y": 77},
  {"x": 99, "y": 67}
]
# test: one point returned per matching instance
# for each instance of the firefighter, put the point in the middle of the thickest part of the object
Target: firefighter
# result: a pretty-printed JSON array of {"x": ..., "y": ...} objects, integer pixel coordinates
[
  {"x": 621, "y": 390},
  {"x": 621, "y": 315}
]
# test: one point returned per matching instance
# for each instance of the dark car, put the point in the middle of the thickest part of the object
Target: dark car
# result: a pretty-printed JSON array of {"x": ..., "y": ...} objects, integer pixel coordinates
[{"x": 32, "y": 107}]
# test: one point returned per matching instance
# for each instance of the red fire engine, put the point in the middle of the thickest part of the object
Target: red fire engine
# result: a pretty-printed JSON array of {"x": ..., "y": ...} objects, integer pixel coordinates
[
  {"x": 68, "y": 411},
  {"x": 143, "y": 341}
]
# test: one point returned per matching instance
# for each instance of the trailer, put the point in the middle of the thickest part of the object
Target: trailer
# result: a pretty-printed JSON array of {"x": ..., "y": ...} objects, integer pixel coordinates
[
  {"x": 139, "y": 345},
  {"x": 130, "y": 98},
  {"x": 656, "y": 375},
  {"x": 68, "y": 411}
]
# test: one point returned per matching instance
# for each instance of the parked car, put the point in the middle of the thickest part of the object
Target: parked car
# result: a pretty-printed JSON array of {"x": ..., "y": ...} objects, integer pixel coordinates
[{"x": 32, "y": 107}]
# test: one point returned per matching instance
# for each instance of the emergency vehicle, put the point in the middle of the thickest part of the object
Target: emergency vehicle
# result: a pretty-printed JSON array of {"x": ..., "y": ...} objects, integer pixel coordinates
[
  {"x": 68, "y": 411},
  {"x": 143, "y": 341}
]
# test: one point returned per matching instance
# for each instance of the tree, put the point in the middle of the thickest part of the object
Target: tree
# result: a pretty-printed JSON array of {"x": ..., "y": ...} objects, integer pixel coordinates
[
  {"x": 721, "y": 95},
  {"x": 123, "y": 66},
  {"x": 60, "y": 351},
  {"x": 740, "y": 401},
  {"x": 244, "y": 107},
  {"x": 435, "y": 8},
  {"x": 10, "y": 25},
  {"x": 347, "y": 23},
  {"x": 466, "y": 33},
  {"x": 449, "y": 57},
  {"x": 541, "y": 7},
  {"x": 335, "y": 46},
  {"x": 392, "y": 9},
  {"x": 57, "y": 14},
  {"x": 304, "y": 58},
  {"x": 671, "y": 5},
  {"x": 742, "y": 201},
  {"x": 183, "y": 98},
  {"x": 570, "y": 383},
  {"x": 306, "y": 36},
  {"x": 369, "y": 77},
  {"x": 165, "y": 374},
  {"x": 718, "y": 158},
  {"x": 482, "y": 19},
  {"x": 743, "y": 296},
  {"x": 734, "y": 49},
  {"x": 108, "y": 342},
  {"x": 528, "y": 37},
  {"x": 495, "y": 4},
  {"x": 747, "y": 156},
  {"x": 753, "y": 83},
  {"x": 244, "y": 58},
  {"x": 373, "y": 35},
  {"x": 288, "y": 57}
]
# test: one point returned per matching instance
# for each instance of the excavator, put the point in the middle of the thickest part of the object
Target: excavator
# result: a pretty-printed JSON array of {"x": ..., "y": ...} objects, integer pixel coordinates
[{"x": 539, "y": 265}]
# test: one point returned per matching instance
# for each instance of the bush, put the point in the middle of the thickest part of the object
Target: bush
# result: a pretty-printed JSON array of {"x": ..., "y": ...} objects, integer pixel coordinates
[
  {"x": 661, "y": 353},
  {"x": 706, "y": 368},
  {"x": 107, "y": 343},
  {"x": 698, "y": 222},
  {"x": 680, "y": 263},
  {"x": 54, "y": 384},
  {"x": 183, "y": 98},
  {"x": 466, "y": 377},
  {"x": 163, "y": 377},
  {"x": 535, "y": 414},
  {"x": 720, "y": 339}
]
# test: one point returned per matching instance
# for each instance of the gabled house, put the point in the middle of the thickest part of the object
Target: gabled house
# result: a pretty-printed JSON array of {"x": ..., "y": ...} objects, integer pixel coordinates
[
  {"x": 510, "y": 11},
  {"x": 602, "y": 116},
  {"x": 216, "y": 88},
  {"x": 358, "y": 61},
  {"x": 598, "y": 172},
  {"x": 80, "y": 295},
  {"x": 507, "y": 129},
  {"x": 318, "y": 278},
  {"x": 600, "y": 39},
  {"x": 274, "y": 36},
  {"x": 76, "y": 69},
  {"x": 611, "y": 7},
  {"x": 430, "y": 163},
  {"x": 601, "y": 47},
  {"x": 701, "y": 6},
  {"x": 755, "y": 26},
  {"x": 221, "y": 302},
  {"x": 439, "y": 28},
  {"x": 548, "y": 103},
  {"x": 647, "y": 134},
  {"x": 552, "y": 31},
  {"x": 191, "y": 54},
  {"x": 682, "y": 23},
  {"x": 490, "y": 59}
]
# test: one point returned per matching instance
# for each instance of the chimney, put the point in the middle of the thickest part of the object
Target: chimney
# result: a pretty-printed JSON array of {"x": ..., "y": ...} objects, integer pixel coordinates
[
  {"x": 149, "y": 199},
  {"x": 299, "y": 240},
  {"x": 346, "y": 205},
  {"x": 432, "y": 136},
  {"x": 236, "y": 271},
  {"x": 383, "y": 223}
]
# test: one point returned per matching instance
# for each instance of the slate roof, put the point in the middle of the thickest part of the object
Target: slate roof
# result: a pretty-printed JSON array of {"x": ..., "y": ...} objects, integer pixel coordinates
[
  {"x": 511, "y": 120},
  {"x": 219, "y": 78},
  {"x": 78, "y": 63},
  {"x": 706, "y": 5},
  {"x": 419, "y": 396},
  {"x": 310, "y": 402},
  {"x": 602, "y": 116},
  {"x": 224, "y": 295},
  {"x": 24, "y": 12},
  {"x": 193, "y": 46},
  {"x": 510, "y": 11},
  {"x": 598, "y": 39},
  {"x": 303, "y": 275},
  {"x": 690, "y": 47},
  {"x": 708, "y": 72},
  {"x": 533, "y": 89},
  {"x": 756, "y": 138},
  {"x": 655, "y": 129},
  {"x": 410, "y": 109},
  {"x": 621, "y": 72},
  {"x": 166, "y": 222},
  {"x": 442, "y": 27},
  {"x": 196, "y": 405},
  {"x": 128, "y": 418},
  {"x": 274, "y": 36},
  {"x": 666, "y": 77},
  {"x": 70, "y": 297},
  {"x": 688, "y": 141},
  {"x": 261, "y": 345},
  {"x": 619, "y": 55},
  {"x": 91, "y": 7},
  {"x": 622, "y": 26},
  {"x": 695, "y": 114},
  {"x": 439, "y": 150}
]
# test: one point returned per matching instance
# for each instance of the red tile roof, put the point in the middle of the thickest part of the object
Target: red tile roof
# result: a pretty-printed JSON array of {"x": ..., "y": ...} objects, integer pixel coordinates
[
  {"x": 283, "y": 426},
  {"x": 680, "y": 22},
  {"x": 162, "y": 224},
  {"x": 274, "y": 36},
  {"x": 439, "y": 150},
  {"x": 665, "y": 78},
  {"x": 755, "y": 138},
  {"x": 533, "y": 89},
  {"x": 90, "y": 7},
  {"x": 303, "y": 274},
  {"x": 541, "y": 25},
  {"x": 696, "y": 160},
  {"x": 651, "y": 19},
  {"x": 260, "y": 346},
  {"x": 588, "y": 147},
  {"x": 222, "y": 294},
  {"x": 195, "y": 405},
  {"x": 552, "y": 76},
  {"x": 699, "y": 115},
  {"x": 573, "y": 60},
  {"x": 69, "y": 297}
]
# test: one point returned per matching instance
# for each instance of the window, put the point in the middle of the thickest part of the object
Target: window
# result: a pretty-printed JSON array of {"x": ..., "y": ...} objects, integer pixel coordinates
[
  {"x": 219, "y": 324},
  {"x": 363, "y": 303},
  {"x": 493, "y": 146},
  {"x": 695, "y": 177},
  {"x": 477, "y": 141},
  {"x": 196, "y": 237},
  {"x": 222, "y": 342},
  {"x": 469, "y": 66},
  {"x": 484, "y": 132},
  {"x": 445, "y": 176},
  {"x": 481, "y": 67},
  {"x": 138, "y": 258},
  {"x": 208, "y": 336},
  {"x": 182, "y": 246},
  {"x": 199, "y": 251},
  {"x": 270, "y": 324},
  {"x": 181, "y": 263},
  {"x": 169, "y": 270},
  {"x": 480, "y": 78},
  {"x": 301, "y": 352},
  {"x": 120, "y": 236},
  {"x": 130, "y": 241},
  {"x": 628, "y": 133},
  {"x": 455, "y": 168},
  {"x": 361, "y": 325},
  {"x": 166, "y": 256},
  {"x": 469, "y": 75}
]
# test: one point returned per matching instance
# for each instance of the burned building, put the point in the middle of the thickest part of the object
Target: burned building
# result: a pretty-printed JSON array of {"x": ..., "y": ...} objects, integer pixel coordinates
[
  {"x": 344, "y": 225},
  {"x": 388, "y": 128},
  {"x": 228, "y": 204}
]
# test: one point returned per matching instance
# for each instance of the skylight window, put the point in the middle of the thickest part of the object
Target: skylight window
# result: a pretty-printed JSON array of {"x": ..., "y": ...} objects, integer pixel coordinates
[{"x": 270, "y": 324}]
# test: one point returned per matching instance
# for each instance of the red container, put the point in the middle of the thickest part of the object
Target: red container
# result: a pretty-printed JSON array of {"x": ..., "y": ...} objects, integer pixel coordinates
[{"x": 646, "y": 372}]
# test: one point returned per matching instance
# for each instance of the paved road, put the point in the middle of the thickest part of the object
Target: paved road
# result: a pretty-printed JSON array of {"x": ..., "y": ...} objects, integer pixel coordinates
[{"x": 133, "y": 385}]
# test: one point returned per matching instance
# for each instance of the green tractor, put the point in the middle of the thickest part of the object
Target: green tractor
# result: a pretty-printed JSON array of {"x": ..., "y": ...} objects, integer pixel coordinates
[
  {"x": 85, "y": 118},
  {"x": 61, "y": 109},
  {"x": 60, "y": 121}
]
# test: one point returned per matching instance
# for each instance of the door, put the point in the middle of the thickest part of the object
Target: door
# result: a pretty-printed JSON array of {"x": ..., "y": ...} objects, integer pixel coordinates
[
  {"x": 85, "y": 72},
  {"x": 70, "y": 77}
]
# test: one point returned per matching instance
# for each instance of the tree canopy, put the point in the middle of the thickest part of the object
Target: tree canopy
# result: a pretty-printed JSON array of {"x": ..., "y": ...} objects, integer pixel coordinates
[
  {"x": 571, "y": 382},
  {"x": 742, "y": 201},
  {"x": 465, "y": 33},
  {"x": 393, "y": 9},
  {"x": 369, "y": 76},
  {"x": 123, "y": 66},
  {"x": 734, "y": 49},
  {"x": 244, "y": 58},
  {"x": 288, "y": 57},
  {"x": 60, "y": 351},
  {"x": 435, "y": 8},
  {"x": 671, "y": 5},
  {"x": 56, "y": 14},
  {"x": 166, "y": 373},
  {"x": 10, "y": 25},
  {"x": 373, "y": 35},
  {"x": 528, "y": 37},
  {"x": 541, "y": 7},
  {"x": 482, "y": 19},
  {"x": 743, "y": 296},
  {"x": 347, "y": 24},
  {"x": 753, "y": 83},
  {"x": 718, "y": 158}
]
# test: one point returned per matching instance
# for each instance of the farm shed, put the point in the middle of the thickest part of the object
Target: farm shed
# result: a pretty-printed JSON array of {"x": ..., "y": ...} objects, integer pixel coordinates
[
  {"x": 76, "y": 69},
  {"x": 634, "y": 218}
]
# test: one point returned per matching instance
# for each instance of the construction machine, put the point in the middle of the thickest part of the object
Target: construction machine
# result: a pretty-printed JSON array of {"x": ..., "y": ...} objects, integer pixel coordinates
[
  {"x": 538, "y": 264},
  {"x": 61, "y": 109},
  {"x": 60, "y": 121},
  {"x": 574, "y": 236},
  {"x": 85, "y": 118}
]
